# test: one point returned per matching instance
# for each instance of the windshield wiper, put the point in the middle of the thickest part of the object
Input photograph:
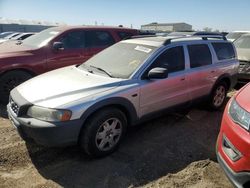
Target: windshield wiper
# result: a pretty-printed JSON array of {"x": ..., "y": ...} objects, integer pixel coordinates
[{"x": 101, "y": 69}]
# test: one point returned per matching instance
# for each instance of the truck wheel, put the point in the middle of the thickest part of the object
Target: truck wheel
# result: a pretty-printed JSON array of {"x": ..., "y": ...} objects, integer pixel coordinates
[
  {"x": 218, "y": 96},
  {"x": 103, "y": 132},
  {"x": 10, "y": 80}
]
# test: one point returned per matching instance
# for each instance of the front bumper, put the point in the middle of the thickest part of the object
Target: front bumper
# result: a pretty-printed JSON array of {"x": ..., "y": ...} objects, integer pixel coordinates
[
  {"x": 46, "y": 133},
  {"x": 237, "y": 179},
  {"x": 233, "y": 139}
]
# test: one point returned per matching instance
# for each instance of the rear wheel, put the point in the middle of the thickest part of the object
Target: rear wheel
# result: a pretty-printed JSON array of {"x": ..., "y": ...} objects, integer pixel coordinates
[
  {"x": 218, "y": 96},
  {"x": 10, "y": 80},
  {"x": 103, "y": 132}
]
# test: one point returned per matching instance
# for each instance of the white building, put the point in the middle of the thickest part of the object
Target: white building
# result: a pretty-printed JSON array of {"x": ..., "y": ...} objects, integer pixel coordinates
[{"x": 166, "y": 27}]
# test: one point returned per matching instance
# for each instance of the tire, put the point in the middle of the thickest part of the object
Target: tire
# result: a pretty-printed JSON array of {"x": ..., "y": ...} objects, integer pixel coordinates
[
  {"x": 218, "y": 96},
  {"x": 10, "y": 80},
  {"x": 98, "y": 137}
]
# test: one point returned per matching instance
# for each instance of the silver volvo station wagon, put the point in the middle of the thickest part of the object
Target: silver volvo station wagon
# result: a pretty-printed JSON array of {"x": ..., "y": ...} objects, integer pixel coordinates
[{"x": 92, "y": 104}]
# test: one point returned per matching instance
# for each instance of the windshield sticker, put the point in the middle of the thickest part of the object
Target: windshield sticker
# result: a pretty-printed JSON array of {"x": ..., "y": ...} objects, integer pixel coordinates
[{"x": 143, "y": 49}]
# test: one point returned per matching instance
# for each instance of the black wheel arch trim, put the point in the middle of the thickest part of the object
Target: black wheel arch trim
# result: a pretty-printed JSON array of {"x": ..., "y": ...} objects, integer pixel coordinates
[
  {"x": 21, "y": 69},
  {"x": 222, "y": 77},
  {"x": 123, "y": 103}
]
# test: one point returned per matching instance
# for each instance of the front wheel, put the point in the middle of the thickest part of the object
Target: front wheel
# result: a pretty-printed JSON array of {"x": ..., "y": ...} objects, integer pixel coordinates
[
  {"x": 10, "y": 80},
  {"x": 103, "y": 132},
  {"x": 218, "y": 96}
]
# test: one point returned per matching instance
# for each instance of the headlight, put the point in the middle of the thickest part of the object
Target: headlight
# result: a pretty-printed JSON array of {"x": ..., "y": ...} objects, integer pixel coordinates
[
  {"x": 47, "y": 114},
  {"x": 239, "y": 115}
]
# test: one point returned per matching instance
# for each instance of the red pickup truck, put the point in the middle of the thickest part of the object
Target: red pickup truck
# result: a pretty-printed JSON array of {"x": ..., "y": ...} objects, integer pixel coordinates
[{"x": 51, "y": 49}]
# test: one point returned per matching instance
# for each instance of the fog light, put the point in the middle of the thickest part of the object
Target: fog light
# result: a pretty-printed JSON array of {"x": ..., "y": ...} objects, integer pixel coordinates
[{"x": 230, "y": 150}]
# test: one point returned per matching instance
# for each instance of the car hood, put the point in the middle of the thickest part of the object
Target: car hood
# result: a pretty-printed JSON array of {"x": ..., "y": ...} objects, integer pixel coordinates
[
  {"x": 243, "y": 98},
  {"x": 10, "y": 49},
  {"x": 65, "y": 85},
  {"x": 243, "y": 54}
]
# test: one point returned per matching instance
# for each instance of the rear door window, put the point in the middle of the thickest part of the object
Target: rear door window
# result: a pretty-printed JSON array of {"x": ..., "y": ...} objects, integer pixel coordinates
[
  {"x": 199, "y": 55},
  {"x": 224, "y": 50},
  {"x": 95, "y": 39}
]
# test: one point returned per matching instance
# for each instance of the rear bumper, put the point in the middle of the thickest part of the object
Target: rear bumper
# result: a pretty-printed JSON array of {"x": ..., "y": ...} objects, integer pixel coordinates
[
  {"x": 237, "y": 179},
  {"x": 46, "y": 133}
]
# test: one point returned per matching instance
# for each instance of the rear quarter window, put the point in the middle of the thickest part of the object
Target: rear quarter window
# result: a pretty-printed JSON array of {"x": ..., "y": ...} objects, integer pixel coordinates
[
  {"x": 224, "y": 50},
  {"x": 124, "y": 35}
]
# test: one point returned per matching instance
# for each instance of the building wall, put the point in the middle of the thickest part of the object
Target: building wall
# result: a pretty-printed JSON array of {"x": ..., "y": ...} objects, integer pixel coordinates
[
  {"x": 182, "y": 27},
  {"x": 22, "y": 28},
  {"x": 170, "y": 28},
  {"x": 157, "y": 28}
]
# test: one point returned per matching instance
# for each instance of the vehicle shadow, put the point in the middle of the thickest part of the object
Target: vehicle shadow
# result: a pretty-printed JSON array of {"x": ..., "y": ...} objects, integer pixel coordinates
[{"x": 149, "y": 151}]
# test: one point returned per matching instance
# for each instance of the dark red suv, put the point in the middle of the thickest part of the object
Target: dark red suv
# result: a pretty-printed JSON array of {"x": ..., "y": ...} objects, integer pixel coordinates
[
  {"x": 233, "y": 144},
  {"x": 51, "y": 49}
]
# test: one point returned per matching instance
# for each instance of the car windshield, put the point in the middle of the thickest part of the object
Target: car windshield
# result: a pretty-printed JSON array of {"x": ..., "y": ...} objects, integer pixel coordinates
[
  {"x": 42, "y": 38},
  {"x": 17, "y": 36},
  {"x": 242, "y": 42},
  {"x": 2, "y": 35},
  {"x": 119, "y": 60},
  {"x": 11, "y": 35}
]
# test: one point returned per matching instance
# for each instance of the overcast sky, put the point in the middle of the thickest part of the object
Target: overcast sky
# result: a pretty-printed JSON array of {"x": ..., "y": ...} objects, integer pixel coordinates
[{"x": 225, "y": 15}]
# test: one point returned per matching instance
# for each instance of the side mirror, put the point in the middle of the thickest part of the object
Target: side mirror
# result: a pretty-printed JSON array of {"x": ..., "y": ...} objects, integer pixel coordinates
[
  {"x": 158, "y": 73},
  {"x": 58, "y": 46}
]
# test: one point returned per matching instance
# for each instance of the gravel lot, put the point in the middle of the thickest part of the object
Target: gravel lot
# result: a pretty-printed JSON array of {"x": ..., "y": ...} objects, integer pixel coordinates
[{"x": 174, "y": 150}]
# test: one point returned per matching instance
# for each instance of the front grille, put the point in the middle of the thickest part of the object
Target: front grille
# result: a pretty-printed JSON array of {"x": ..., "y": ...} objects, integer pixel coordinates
[{"x": 14, "y": 107}]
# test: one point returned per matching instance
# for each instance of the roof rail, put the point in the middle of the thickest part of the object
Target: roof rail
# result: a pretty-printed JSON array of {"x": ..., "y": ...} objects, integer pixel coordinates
[{"x": 203, "y": 37}]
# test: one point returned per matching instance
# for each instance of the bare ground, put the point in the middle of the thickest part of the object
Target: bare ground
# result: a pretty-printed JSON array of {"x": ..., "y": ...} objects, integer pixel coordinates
[{"x": 171, "y": 151}]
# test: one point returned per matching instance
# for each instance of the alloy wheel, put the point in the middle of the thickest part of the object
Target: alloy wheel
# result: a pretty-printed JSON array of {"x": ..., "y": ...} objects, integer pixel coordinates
[
  {"x": 109, "y": 134},
  {"x": 219, "y": 96}
]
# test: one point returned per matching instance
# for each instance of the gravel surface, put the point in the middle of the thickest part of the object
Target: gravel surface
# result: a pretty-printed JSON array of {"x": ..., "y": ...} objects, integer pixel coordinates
[{"x": 174, "y": 150}]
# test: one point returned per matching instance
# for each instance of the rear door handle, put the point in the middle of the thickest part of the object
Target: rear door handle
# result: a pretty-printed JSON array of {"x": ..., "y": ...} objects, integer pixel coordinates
[
  {"x": 182, "y": 79},
  {"x": 213, "y": 71}
]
